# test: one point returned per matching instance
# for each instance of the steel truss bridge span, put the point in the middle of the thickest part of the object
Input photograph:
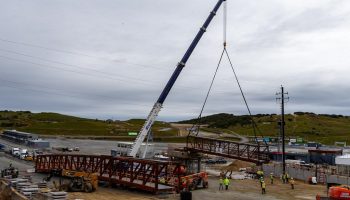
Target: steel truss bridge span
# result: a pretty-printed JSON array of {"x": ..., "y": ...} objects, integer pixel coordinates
[
  {"x": 127, "y": 171},
  {"x": 256, "y": 153}
]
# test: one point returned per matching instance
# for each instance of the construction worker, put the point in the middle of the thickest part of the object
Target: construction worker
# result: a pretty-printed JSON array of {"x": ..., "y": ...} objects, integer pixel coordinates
[
  {"x": 221, "y": 183},
  {"x": 292, "y": 183},
  {"x": 226, "y": 183},
  {"x": 263, "y": 187},
  {"x": 271, "y": 178},
  {"x": 184, "y": 184},
  {"x": 284, "y": 178},
  {"x": 261, "y": 180},
  {"x": 287, "y": 178}
]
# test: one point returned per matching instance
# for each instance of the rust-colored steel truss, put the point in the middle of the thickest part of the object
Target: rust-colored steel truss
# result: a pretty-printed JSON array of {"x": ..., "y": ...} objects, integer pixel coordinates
[
  {"x": 255, "y": 153},
  {"x": 139, "y": 173}
]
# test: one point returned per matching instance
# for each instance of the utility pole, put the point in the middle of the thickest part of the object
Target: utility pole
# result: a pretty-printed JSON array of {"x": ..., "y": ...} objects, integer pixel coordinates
[{"x": 282, "y": 124}]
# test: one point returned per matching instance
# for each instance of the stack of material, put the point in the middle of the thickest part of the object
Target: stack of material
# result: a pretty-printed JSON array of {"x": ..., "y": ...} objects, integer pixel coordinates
[
  {"x": 28, "y": 195},
  {"x": 21, "y": 185},
  {"x": 28, "y": 176},
  {"x": 30, "y": 191},
  {"x": 42, "y": 184},
  {"x": 15, "y": 181},
  {"x": 58, "y": 196}
]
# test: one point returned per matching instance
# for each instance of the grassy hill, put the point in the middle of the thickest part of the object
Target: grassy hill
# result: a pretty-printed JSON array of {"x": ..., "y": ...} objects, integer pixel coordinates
[
  {"x": 313, "y": 127},
  {"x": 58, "y": 124},
  {"x": 323, "y": 128}
]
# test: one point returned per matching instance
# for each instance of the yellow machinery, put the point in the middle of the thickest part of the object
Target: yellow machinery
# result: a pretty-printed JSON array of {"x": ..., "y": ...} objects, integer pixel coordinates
[
  {"x": 80, "y": 181},
  {"x": 28, "y": 158}
]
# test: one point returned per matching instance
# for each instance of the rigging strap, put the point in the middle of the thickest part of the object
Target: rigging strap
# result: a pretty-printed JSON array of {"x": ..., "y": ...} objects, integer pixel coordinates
[
  {"x": 198, "y": 121},
  {"x": 255, "y": 127}
]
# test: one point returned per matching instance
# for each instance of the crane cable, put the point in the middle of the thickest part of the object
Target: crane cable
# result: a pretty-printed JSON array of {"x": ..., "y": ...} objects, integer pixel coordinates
[
  {"x": 198, "y": 121},
  {"x": 224, "y": 51},
  {"x": 254, "y": 125},
  {"x": 225, "y": 23}
]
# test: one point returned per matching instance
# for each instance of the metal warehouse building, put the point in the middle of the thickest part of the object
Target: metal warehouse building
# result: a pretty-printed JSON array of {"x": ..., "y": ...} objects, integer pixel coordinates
[
  {"x": 29, "y": 139},
  {"x": 18, "y": 136},
  {"x": 38, "y": 144}
]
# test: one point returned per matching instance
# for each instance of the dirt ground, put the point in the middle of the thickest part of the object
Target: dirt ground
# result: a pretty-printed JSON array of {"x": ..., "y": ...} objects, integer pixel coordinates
[
  {"x": 239, "y": 189},
  {"x": 112, "y": 194},
  {"x": 250, "y": 189}
]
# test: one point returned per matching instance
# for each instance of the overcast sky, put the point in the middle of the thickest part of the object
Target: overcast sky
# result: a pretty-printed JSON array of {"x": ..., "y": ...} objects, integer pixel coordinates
[{"x": 112, "y": 58}]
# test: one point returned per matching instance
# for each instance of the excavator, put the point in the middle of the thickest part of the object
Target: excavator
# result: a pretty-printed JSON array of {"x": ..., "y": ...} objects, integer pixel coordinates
[
  {"x": 341, "y": 192},
  {"x": 78, "y": 181}
]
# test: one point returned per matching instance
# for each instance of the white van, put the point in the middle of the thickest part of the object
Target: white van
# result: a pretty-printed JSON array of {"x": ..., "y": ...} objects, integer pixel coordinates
[
  {"x": 15, "y": 151},
  {"x": 23, "y": 153}
]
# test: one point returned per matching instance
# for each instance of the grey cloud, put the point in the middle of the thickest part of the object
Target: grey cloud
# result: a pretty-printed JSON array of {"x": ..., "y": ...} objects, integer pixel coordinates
[{"x": 136, "y": 45}]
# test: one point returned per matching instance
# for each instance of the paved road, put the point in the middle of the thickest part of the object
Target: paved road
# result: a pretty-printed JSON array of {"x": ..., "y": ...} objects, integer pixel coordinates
[{"x": 243, "y": 139}]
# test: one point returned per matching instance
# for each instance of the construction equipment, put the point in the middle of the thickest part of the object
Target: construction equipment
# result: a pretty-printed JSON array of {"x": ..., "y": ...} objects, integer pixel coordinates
[
  {"x": 158, "y": 105},
  {"x": 193, "y": 181},
  {"x": 9, "y": 171},
  {"x": 79, "y": 181},
  {"x": 336, "y": 193},
  {"x": 28, "y": 158}
]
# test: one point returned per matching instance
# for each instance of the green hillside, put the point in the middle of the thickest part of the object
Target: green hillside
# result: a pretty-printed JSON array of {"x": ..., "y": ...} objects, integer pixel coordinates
[
  {"x": 323, "y": 128},
  {"x": 58, "y": 124}
]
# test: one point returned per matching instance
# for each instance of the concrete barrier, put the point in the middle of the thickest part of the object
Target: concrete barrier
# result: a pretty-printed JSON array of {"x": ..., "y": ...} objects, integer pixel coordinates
[{"x": 304, "y": 173}]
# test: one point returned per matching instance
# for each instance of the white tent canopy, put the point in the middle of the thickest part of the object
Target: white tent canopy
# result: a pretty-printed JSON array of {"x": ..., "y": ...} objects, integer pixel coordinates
[{"x": 343, "y": 160}]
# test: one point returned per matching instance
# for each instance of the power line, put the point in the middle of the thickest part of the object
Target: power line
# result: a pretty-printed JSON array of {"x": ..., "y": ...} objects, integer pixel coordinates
[
  {"x": 121, "y": 78},
  {"x": 78, "y": 53},
  {"x": 83, "y": 68},
  {"x": 82, "y": 54},
  {"x": 77, "y": 95},
  {"x": 104, "y": 74}
]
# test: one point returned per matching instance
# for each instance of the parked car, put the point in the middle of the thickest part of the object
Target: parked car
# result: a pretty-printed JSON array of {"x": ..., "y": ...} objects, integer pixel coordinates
[
  {"x": 76, "y": 149},
  {"x": 216, "y": 161},
  {"x": 210, "y": 161},
  {"x": 221, "y": 161}
]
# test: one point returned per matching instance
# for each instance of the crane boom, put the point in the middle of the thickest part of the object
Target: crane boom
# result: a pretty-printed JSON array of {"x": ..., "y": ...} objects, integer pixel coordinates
[{"x": 158, "y": 105}]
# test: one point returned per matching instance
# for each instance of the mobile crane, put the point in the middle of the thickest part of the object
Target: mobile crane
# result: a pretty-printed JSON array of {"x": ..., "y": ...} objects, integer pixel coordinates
[{"x": 158, "y": 105}]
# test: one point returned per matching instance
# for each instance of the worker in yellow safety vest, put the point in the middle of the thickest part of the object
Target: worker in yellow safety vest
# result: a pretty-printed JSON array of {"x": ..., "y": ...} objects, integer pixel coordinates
[
  {"x": 263, "y": 187},
  {"x": 284, "y": 178},
  {"x": 292, "y": 183},
  {"x": 226, "y": 183},
  {"x": 221, "y": 183},
  {"x": 287, "y": 178},
  {"x": 271, "y": 178}
]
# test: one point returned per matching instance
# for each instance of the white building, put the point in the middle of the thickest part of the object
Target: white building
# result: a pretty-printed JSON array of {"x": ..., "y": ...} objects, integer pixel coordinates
[
  {"x": 123, "y": 148},
  {"x": 343, "y": 164}
]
